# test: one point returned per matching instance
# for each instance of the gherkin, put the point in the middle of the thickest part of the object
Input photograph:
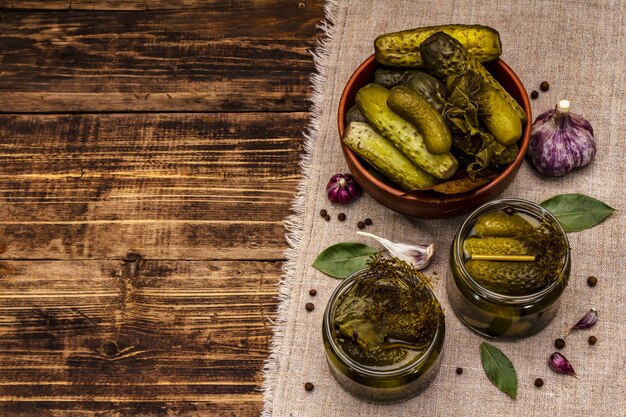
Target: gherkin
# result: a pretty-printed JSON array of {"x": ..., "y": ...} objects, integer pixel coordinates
[
  {"x": 496, "y": 246},
  {"x": 508, "y": 278},
  {"x": 498, "y": 223}
]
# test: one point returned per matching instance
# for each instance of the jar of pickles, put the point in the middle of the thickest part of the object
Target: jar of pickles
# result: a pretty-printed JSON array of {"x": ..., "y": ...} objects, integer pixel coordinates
[
  {"x": 510, "y": 263},
  {"x": 383, "y": 332}
]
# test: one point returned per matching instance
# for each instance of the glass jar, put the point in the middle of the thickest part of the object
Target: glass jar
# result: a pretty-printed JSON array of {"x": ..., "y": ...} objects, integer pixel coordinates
[
  {"x": 494, "y": 314},
  {"x": 381, "y": 384}
]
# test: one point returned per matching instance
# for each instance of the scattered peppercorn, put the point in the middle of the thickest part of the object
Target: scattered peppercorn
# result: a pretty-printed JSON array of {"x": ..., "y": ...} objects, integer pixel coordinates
[
  {"x": 534, "y": 94},
  {"x": 368, "y": 222},
  {"x": 592, "y": 281},
  {"x": 309, "y": 306},
  {"x": 309, "y": 386},
  {"x": 509, "y": 211},
  {"x": 327, "y": 217},
  {"x": 559, "y": 343},
  {"x": 592, "y": 340},
  {"x": 312, "y": 292},
  {"x": 341, "y": 216},
  {"x": 544, "y": 86},
  {"x": 360, "y": 225},
  {"x": 539, "y": 382},
  {"x": 323, "y": 213},
  {"x": 459, "y": 371}
]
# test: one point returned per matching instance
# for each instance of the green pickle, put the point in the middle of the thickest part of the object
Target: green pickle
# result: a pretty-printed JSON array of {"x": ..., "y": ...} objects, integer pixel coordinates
[
  {"x": 383, "y": 332},
  {"x": 505, "y": 295},
  {"x": 496, "y": 246},
  {"x": 498, "y": 223},
  {"x": 509, "y": 278}
]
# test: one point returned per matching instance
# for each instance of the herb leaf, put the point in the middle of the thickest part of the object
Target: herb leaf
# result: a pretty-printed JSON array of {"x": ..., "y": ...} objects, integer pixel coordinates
[
  {"x": 499, "y": 369},
  {"x": 577, "y": 212},
  {"x": 342, "y": 259}
]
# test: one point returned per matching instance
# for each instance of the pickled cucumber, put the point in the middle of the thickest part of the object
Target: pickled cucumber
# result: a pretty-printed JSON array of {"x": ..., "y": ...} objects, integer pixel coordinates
[
  {"x": 354, "y": 115},
  {"x": 413, "y": 107},
  {"x": 372, "y": 101},
  {"x": 401, "y": 49},
  {"x": 444, "y": 56},
  {"x": 500, "y": 224},
  {"x": 508, "y": 278},
  {"x": 390, "y": 77},
  {"x": 496, "y": 246},
  {"x": 432, "y": 89},
  {"x": 382, "y": 155}
]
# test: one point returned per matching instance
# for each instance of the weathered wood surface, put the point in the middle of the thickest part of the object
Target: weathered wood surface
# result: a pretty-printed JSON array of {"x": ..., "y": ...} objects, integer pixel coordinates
[
  {"x": 134, "y": 334},
  {"x": 170, "y": 186},
  {"x": 141, "y": 240},
  {"x": 232, "y": 56}
]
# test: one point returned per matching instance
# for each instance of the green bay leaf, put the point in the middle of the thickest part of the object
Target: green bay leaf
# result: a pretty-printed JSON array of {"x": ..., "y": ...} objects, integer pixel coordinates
[
  {"x": 577, "y": 212},
  {"x": 342, "y": 259},
  {"x": 499, "y": 369}
]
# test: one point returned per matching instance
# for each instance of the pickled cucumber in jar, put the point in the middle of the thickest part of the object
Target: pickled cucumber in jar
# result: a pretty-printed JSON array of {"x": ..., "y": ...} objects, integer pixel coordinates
[{"x": 511, "y": 253}]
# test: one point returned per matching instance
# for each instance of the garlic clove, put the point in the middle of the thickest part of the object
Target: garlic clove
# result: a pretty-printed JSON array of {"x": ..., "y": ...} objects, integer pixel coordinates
[
  {"x": 588, "y": 320},
  {"x": 559, "y": 364},
  {"x": 419, "y": 256}
]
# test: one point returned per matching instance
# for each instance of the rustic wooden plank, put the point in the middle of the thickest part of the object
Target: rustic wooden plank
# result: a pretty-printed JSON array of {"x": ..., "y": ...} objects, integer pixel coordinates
[
  {"x": 142, "y": 5},
  {"x": 245, "y": 56},
  {"x": 134, "y": 336},
  {"x": 168, "y": 186},
  {"x": 226, "y": 406}
]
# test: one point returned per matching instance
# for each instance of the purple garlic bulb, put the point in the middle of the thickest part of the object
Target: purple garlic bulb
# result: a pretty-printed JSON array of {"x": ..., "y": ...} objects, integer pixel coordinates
[
  {"x": 561, "y": 141},
  {"x": 342, "y": 188}
]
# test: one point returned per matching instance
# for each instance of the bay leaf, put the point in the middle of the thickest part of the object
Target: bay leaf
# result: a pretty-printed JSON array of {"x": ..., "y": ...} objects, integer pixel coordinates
[
  {"x": 577, "y": 212},
  {"x": 342, "y": 259},
  {"x": 459, "y": 186},
  {"x": 499, "y": 369}
]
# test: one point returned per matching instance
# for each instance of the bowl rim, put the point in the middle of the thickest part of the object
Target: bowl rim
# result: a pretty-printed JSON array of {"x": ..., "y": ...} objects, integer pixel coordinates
[{"x": 442, "y": 198}]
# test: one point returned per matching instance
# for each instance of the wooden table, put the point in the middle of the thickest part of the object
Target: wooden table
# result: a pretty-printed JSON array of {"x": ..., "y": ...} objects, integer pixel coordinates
[{"x": 148, "y": 156}]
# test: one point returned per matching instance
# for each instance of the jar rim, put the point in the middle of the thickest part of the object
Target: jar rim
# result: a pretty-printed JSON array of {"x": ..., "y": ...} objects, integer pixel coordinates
[
  {"x": 485, "y": 292},
  {"x": 364, "y": 370}
]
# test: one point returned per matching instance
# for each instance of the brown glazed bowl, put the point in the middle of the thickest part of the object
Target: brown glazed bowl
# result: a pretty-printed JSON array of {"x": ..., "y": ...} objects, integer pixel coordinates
[{"x": 427, "y": 204}]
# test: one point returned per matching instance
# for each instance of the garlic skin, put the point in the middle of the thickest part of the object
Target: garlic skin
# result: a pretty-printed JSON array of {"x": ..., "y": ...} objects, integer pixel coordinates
[
  {"x": 588, "y": 320},
  {"x": 561, "y": 141},
  {"x": 342, "y": 189},
  {"x": 559, "y": 364},
  {"x": 419, "y": 256}
]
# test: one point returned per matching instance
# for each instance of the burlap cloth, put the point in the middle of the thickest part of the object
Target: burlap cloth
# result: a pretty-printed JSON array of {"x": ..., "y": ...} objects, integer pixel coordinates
[{"x": 579, "y": 46}]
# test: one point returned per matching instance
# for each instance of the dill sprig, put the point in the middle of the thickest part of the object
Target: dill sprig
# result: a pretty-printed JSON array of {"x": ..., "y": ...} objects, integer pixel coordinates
[{"x": 387, "y": 310}]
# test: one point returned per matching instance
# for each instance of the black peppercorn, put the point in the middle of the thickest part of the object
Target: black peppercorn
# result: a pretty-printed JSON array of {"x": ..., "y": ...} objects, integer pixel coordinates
[
  {"x": 509, "y": 211},
  {"x": 459, "y": 371},
  {"x": 309, "y": 306},
  {"x": 592, "y": 340},
  {"x": 368, "y": 222},
  {"x": 341, "y": 216},
  {"x": 539, "y": 382},
  {"x": 309, "y": 386},
  {"x": 534, "y": 94},
  {"x": 327, "y": 217},
  {"x": 312, "y": 292},
  {"x": 323, "y": 212},
  {"x": 592, "y": 281},
  {"x": 544, "y": 86},
  {"x": 559, "y": 343},
  {"x": 360, "y": 225}
]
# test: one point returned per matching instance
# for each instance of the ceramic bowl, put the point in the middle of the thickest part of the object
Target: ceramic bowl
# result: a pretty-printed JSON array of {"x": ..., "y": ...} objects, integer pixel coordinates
[{"x": 429, "y": 204}]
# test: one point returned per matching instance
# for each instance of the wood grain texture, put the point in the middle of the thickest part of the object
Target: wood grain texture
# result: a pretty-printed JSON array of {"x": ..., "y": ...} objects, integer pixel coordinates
[
  {"x": 111, "y": 336},
  {"x": 170, "y": 186},
  {"x": 137, "y": 5},
  {"x": 232, "y": 56},
  {"x": 141, "y": 247}
]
